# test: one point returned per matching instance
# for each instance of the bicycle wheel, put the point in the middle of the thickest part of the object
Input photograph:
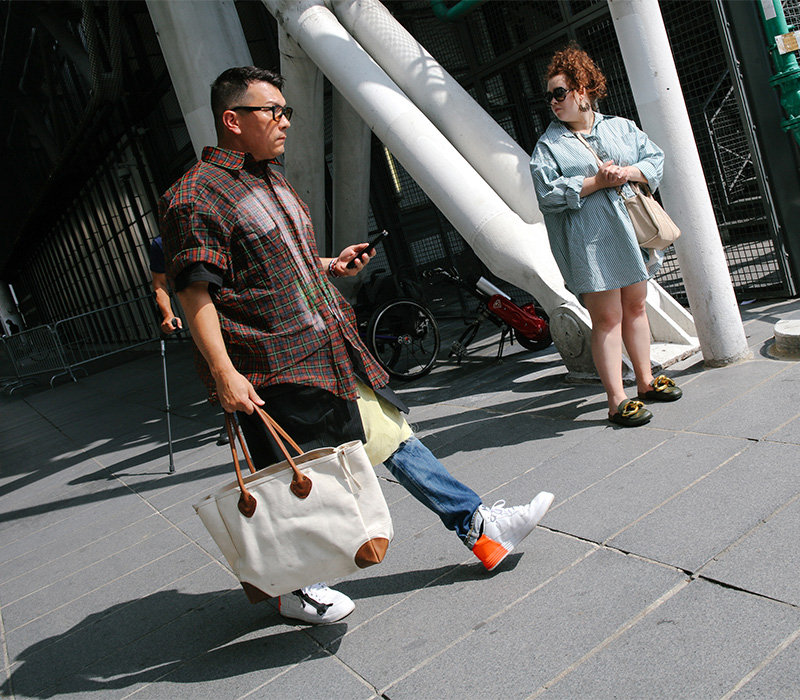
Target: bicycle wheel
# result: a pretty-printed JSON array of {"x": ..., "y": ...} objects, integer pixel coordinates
[{"x": 403, "y": 336}]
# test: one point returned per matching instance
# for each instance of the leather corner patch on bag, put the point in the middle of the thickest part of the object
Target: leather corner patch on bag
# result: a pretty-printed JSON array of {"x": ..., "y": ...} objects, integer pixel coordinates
[{"x": 371, "y": 552}]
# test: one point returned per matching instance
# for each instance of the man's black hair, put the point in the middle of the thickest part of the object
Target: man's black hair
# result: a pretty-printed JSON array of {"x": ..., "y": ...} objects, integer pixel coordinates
[{"x": 230, "y": 87}]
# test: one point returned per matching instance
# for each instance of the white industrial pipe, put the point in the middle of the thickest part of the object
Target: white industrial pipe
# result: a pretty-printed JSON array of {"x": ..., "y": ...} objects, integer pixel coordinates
[
  {"x": 305, "y": 147},
  {"x": 487, "y": 147},
  {"x": 199, "y": 40},
  {"x": 659, "y": 100},
  {"x": 351, "y": 168},
  {"x": 497, "y": 235}
]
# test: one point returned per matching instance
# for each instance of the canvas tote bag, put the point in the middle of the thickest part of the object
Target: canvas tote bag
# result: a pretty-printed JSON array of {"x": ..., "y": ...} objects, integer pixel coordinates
[
  {"x": 314, "y": 517},
  {"x": 652, "y": 225}
]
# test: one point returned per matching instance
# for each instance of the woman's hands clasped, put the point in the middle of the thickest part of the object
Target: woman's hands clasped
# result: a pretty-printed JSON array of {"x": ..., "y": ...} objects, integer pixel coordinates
[{"x": 611, "y": 175}]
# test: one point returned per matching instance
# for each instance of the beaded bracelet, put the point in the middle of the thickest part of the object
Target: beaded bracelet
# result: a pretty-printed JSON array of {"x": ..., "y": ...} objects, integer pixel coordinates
[{"x": 331, "y": 268}]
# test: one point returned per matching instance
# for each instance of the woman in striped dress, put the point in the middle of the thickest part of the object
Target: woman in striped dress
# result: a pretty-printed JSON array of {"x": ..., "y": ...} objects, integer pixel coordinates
[{"x": 590, "y": 232}]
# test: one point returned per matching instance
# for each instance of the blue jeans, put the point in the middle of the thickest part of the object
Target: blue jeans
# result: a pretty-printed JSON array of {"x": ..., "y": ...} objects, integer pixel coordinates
[{"x": 425, "y": 478}]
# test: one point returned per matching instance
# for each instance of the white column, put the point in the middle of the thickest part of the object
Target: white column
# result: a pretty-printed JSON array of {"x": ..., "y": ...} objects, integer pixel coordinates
[
  {"x": 517, "y": 251},
  {"x": 199, "y": 40},
  {"x": 498, "y": 236},
  {"x": 351, "y": 169},
  {"x": 659, "y": 100},
  {"x": 305, "y": 144}
]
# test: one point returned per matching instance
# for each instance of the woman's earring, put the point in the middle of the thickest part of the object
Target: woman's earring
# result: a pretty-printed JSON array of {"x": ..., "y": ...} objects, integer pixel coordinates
[{"x": 584, "y": 106}]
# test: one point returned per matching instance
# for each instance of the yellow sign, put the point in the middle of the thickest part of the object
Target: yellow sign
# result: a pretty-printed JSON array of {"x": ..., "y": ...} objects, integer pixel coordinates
[{"x": 788, "y": 42}]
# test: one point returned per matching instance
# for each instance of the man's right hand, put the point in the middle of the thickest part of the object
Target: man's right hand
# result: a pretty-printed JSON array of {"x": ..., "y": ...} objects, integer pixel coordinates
[
  {"x": 170, "y": 324},
  {"x": 236, "y": 393}
]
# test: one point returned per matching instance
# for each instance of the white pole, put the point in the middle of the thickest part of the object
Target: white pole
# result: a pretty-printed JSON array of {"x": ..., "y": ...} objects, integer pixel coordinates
[
  {"x": 516, "y": 251},
  {"x": 351, "y": 169},
  {"x": 199, "y": 40},
  {"x": 659, "y": 100},
  {"x": 305, "y": 147},
  {"x": 487, "y": 147},
  {"x": 519, "y": 251}
]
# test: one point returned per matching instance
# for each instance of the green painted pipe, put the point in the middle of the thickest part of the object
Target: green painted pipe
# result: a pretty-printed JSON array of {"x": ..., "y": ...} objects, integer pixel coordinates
[
  {"x": 448, "y": 14},
  {"x": 787, "y": 72}
]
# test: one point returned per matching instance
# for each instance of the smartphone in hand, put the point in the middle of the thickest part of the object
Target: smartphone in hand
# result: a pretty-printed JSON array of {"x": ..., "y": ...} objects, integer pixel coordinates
[{"x": 369, "y": 248}]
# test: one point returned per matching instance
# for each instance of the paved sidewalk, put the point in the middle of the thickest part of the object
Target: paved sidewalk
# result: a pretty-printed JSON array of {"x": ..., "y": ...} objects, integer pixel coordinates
[{"x": 666, "y": 568}]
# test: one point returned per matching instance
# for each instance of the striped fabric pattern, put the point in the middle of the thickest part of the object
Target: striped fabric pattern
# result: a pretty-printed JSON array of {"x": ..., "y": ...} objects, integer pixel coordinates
[
  {"x": 592, "y": 238},
  {"x": 281, "y": 319}
]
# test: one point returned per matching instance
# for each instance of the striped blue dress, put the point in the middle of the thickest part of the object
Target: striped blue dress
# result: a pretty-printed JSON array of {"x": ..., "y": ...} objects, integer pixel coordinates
[{"x": 592, "y": 238}]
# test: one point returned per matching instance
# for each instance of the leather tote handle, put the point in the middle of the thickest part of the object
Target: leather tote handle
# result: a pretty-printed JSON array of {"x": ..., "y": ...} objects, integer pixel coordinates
[{"x": 301, "y": 484}]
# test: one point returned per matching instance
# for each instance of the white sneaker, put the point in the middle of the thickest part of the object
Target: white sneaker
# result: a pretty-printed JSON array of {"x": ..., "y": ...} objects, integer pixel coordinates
[
  {"x": 316, "y": 605},
  {"x": 504, "y": 528}
]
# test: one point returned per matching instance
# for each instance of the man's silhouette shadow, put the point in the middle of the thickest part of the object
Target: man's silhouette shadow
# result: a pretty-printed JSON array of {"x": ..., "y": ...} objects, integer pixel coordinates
[{"x": 143, "y": 640}]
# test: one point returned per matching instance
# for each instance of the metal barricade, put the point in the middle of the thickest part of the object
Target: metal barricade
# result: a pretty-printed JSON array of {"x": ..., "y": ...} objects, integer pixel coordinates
[
  {"x": 104, "y": 332},
  {"x": 62, "y": 348},
  {"x": 65, "y": 346},
  {"x": 31, "y": 352}
]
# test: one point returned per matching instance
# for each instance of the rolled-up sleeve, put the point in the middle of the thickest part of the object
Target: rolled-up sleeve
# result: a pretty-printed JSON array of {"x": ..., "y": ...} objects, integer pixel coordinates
[
  {"x": 554, "y": 192},
  {"x": 191, "y": 235}
]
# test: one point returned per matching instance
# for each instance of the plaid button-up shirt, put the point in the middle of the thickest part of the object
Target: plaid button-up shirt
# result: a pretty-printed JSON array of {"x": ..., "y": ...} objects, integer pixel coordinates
[{"x": 281, "y": 319}]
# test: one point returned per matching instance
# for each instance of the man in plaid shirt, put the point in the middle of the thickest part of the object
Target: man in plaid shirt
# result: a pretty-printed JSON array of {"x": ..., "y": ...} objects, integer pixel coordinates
[{"x": 270, "y": 328}]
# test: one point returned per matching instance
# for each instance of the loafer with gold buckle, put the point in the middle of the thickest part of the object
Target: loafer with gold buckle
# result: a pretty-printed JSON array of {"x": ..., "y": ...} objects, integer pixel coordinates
[
  {"x": 664, "y": 389},
  {"x": 631, "y": 414}
]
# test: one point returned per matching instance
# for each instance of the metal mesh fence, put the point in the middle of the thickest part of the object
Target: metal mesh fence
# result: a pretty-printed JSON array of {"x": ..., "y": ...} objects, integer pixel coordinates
[
  {"x": 725, "y": 154},
  {"x": 500, "y": 52},
  {"x": 791, "y": 9}
]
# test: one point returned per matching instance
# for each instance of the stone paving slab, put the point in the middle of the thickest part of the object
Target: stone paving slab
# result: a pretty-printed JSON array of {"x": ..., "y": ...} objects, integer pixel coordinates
[
  {"x": 776, "y": 677},
  {"x": 25, "y": 513},
  {"x": 130, "y": 639},
  {"x": 552, "y": 627},
  {"x": 57, "y": 568},
  {"x": 713, "y": 390},
  {"x": 607, "y": 506},
  {"x": 585, "y": 463},
  {"x": 74, "y": 584},
  {"x": 21, "y": 555},
  {"x": 110, "y": 587},
  {"x": 148, "y": 452},
  {"x": 431, "y": 624},
  {"x": 761, "y": 409},
  {"x": 699, "y": 643},
  {"x": 96, "y": 604},
  {"x": 714, "y": 513},
  {"x": 766, "y": 561}
]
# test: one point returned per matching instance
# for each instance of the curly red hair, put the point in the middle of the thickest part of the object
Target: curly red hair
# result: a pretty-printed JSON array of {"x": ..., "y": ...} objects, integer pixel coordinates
[{"x": 580, "y": 71}]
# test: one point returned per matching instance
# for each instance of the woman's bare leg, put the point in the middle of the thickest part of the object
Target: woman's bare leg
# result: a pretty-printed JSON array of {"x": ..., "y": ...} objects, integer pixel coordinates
[
  {"x": 605, "y": 310},
  {"x": 636, "y": 333}
]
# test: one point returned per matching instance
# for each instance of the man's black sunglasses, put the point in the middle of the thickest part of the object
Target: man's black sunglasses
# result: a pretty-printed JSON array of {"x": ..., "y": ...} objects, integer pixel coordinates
[
  {"x": 559, "y": 93},
  {"x": 278, "y": 111}
]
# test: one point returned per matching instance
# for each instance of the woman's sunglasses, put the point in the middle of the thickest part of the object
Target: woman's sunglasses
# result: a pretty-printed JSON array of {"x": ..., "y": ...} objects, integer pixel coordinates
[{"x": 559, "y": 93}]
